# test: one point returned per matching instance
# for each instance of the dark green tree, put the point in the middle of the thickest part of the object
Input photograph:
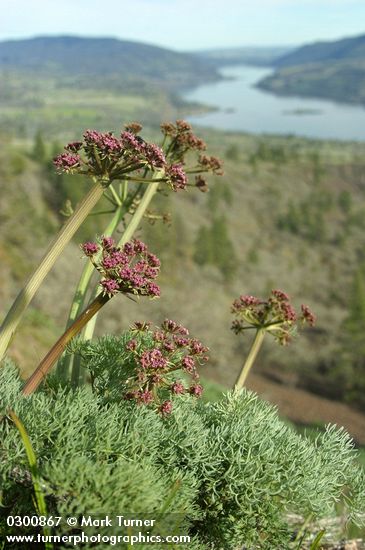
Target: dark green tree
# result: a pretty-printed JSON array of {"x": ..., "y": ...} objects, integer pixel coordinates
[
  {"x": 345, "y": 201},
  {"x": 350, "y": 367},
  {"x": 213, "y": 246},
  {"x": 39, "y": 152},
  {"x": 224, "y": 254},
  {"x": 203, "y": 253}
]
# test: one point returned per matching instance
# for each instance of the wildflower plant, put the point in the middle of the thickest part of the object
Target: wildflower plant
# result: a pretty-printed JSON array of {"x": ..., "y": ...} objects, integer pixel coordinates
[
  {"x": 105, "y": 159},
  {"x": 232, "y": 471},
  {"x": 275, "y": 316},
  {"x": 179, "y": 157},
  {"x": 148, "y": 365},
  {"x": 128, "y": 270}
]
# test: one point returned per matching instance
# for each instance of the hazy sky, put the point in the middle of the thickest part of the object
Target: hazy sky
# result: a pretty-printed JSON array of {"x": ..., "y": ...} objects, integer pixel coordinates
[{"x": 187, "y": 24}]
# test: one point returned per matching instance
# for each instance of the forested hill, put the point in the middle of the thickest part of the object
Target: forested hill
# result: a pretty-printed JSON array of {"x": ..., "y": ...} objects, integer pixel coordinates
[
  {"x": 69, "y": 55},
  {"x": 333, "y": 70},
  {"x": 319, "y": 52}
]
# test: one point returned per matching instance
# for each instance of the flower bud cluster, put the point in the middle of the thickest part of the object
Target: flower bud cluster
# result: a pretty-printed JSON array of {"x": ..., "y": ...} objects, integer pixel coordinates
[
  {"x": 130, "y": 270},
  {"x": 180, "y": 140},
  {"x": 108, "y": 157},
  {"x": 275, "y": 315},
  {"x": 159, "y": 353}
]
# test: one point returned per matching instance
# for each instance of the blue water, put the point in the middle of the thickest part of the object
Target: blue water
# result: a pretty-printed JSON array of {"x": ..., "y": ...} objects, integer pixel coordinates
[{"x": 242, "y": 107}]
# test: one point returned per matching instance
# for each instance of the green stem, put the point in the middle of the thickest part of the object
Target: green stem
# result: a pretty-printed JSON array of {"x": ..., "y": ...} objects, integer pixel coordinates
[
  {"x": 40, "y": 501},
  {"x": 88, "y": 271},
  {"x": 127, "y": 235},
  {"x": 115, "y": 195},
  {"x": 25, "y": 296},
  {"x": 65, "y": 366},
  {"x": 55, "y": 352},
  {"x": 256, "y": 345},
  {"x": 139, "y": 213}
]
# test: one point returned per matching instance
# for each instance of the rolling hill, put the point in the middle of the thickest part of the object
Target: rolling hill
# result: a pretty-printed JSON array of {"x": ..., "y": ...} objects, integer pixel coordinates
[
  {"x": 103, "y": 57},
  {"x": 320, "y": 52},
  {"x": 64, "y": 83},
  {"x": 333, "y": 70}
]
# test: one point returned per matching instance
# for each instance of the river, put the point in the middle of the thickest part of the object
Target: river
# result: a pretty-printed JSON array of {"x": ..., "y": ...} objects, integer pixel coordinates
[{"x": 242, "y": 107}]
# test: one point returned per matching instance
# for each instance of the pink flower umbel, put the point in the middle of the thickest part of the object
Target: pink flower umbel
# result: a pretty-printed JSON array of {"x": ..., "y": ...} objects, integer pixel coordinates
[
  {"x": 67, "y": 162},
  {"x": 176, "y": 176},
  {"x": 196, "y": 390},
  {"x": 275, "y": 316},
  {"x": 131, "y": 269},
  {"x": 158, "y": 353},
  {"x": 108, "y": 157},
  {"x": 165, "y": 408},
  {"x": 128, "y": 157},
  {"x": 90, "y": 249},
  {"x": 308, "y": 316},
  {"x": 128, "y": 270},
  {"x": 178, "y": 387},
  {"x": 180, "y": 141}
]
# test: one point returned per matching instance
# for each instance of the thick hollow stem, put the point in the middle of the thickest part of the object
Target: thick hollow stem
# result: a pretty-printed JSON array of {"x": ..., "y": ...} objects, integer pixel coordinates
[
  {"x": 256, "y": 344},
  {"x": 55, "y": 352},
  {"x": 25, "y": 296}
]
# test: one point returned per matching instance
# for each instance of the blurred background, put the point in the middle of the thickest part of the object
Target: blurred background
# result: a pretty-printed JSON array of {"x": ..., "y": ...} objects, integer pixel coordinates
[{"x": 277, "y": 90}]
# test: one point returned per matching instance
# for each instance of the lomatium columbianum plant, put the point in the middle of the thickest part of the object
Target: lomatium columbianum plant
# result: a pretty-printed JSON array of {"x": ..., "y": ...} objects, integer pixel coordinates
[
  {"x": 275, "y": 316},
  {"x": 106, "y": 158},
  {"x": 158, "y": 355},
  {"x": 128, "y": 270},
  {"x": 148, "y": 365},
  {"x": 169, "y": 167}
]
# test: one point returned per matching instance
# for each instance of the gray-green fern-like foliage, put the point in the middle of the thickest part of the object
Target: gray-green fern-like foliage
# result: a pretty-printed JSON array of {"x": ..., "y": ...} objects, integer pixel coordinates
[
  {"x": 228, "y": 472},
  {"x": 113, "y": 367}
]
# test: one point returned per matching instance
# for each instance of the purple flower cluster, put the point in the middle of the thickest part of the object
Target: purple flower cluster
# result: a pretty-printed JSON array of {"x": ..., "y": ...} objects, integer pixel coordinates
[
  {"x": 67, "y": 162},
  {"x": 211, "y": 164},
  {"x": 104, "y": 155},
  {"x": 154, "y": 156},
  {"x": 104, "y": 142},
  {"x": 131, "y": 269},
  {"x": 180, "y": 140},
  {"x": 158, "y": 354},
  {"x": 276, "y": 315},
  {"x": 108, "y": 157},
  {"x": 176, "y": 176},
  {"x": 307, "y": 315}
]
